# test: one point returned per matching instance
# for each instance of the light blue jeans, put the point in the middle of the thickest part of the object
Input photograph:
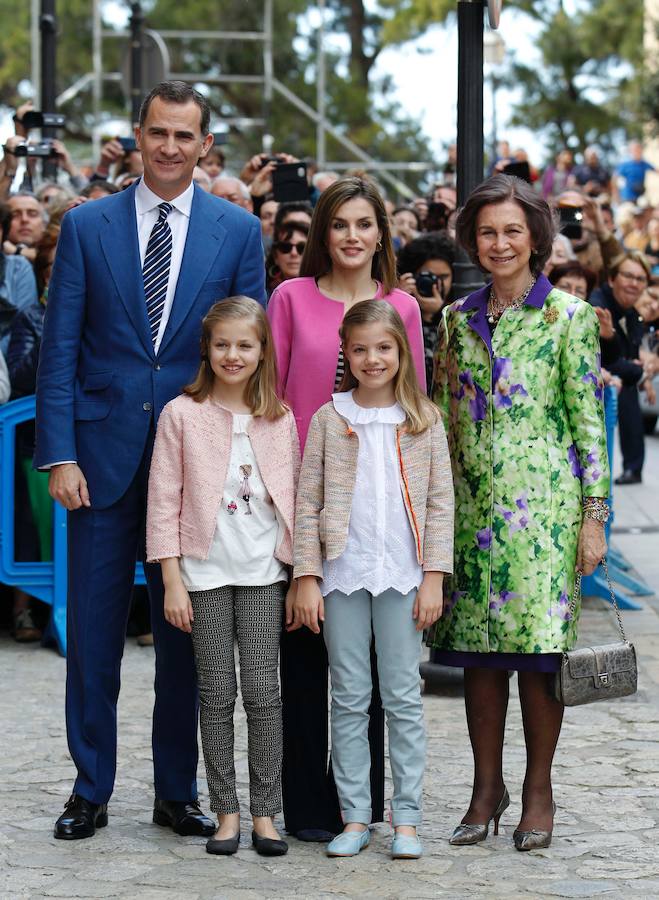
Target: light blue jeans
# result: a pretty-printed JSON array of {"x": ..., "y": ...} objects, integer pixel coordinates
[{"x": 349, "y": 621}]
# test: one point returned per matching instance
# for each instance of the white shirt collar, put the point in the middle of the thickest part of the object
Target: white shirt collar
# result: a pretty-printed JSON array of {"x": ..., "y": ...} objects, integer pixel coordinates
[
  {"x": 146, "y": 200},
  {"x": 345, "y": 405}
]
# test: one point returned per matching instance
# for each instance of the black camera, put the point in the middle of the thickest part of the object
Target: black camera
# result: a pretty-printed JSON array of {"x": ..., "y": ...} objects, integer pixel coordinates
[
  {"x": 571, "y": 219},
  {"x": 425, "y": 281},
  {"x": 128, "y": 144},
  {"x": 38, "y": 150},
  {"x": 289, "y": 182},
  {"x": 34, "y": 119},
  {"x": 277, "y": 160}
]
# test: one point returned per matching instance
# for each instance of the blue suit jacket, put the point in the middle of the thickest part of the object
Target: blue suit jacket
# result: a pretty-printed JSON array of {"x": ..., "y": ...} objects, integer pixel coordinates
[{"x": 100, "y": 386}]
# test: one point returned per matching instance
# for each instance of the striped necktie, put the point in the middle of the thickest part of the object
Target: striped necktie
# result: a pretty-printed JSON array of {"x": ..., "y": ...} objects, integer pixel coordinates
[{"x": 155, "y": 270}]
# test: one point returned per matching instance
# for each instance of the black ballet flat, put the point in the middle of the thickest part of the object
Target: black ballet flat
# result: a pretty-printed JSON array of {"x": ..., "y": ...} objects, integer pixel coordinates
[
  {"x": 226, "y": 847},
  {"x": 269, "y": 846}
]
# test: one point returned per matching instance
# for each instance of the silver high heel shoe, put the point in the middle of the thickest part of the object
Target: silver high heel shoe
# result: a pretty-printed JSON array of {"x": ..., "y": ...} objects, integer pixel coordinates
[
  {"x": 534, "y": 839},
  {"x": 466, "y": 833}
]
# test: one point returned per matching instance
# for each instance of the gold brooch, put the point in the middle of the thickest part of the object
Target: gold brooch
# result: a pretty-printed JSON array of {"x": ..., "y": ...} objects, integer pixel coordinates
[{"x": 551, "y": 315}]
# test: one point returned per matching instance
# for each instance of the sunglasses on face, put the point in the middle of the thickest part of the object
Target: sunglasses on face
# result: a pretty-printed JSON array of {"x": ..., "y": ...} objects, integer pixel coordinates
[{"x": 287, "y": 246}]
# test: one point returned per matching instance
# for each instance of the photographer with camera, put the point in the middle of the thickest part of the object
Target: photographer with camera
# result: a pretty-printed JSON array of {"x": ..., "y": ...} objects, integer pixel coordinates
[
  {"x": 18, "y": 146},
  {"x": 425, "y": 267},
  {"x": 9, "y": 165},
  {"x": 118, "y": 157},
  {"x": 281, "y": 177},
  {"x": 582, "y": 221}
]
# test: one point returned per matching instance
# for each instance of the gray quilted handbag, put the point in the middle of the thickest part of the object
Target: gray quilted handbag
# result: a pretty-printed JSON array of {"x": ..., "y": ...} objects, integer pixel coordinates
[{"x": 597, "y": 673}]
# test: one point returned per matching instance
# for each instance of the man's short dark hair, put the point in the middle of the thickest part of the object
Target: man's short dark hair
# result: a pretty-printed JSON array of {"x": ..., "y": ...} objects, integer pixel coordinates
[{"x": 177, "y": 92}]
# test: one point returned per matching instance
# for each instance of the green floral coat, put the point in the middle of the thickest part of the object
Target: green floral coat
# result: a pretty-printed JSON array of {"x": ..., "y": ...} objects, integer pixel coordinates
[{"x": 525, "y": 422}]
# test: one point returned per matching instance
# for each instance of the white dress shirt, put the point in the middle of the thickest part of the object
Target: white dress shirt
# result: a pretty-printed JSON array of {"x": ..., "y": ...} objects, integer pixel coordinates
[
  {"x": 146, "y": 208},
  {"x": 380, "y": 552}
]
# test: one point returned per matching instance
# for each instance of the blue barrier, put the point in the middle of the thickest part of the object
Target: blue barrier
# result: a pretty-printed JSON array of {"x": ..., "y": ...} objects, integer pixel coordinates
[
  {"x": 595, "y": 585},
  {"x": 45, "y": 580}
]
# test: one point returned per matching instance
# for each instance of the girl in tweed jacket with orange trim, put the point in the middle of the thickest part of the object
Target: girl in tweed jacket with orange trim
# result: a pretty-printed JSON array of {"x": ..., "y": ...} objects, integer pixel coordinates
[{"x": 373, "y": 540}]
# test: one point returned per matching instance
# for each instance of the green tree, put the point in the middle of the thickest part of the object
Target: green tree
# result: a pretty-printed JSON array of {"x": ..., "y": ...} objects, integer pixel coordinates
[
  {"x": 587, "y": 86},
  {"x": 74, "y": 53},
  {"x": 381, "y": 129},
  {"x": 357, "y": 103}
]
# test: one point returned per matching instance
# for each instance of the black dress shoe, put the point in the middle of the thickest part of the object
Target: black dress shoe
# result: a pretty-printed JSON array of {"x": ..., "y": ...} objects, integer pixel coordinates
[
  {"x": 315, "y": 835},
  {"x": 269, "y": 846},
  {"x": 225, "y": 847},
  {"x": 184, "y": 817},
  {"x": 629, "y": 477},
  {"x": 80, "y": 819}
]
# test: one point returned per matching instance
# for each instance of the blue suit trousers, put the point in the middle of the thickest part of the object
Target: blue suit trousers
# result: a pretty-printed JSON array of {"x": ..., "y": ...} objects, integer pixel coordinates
[{"x": 103, "y": 546}]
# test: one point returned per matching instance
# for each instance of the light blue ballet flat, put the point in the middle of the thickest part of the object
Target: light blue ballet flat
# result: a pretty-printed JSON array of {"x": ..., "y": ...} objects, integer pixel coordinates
[
  {"x": 404, "y": 846},
  {"x": 349, "y": 843}
]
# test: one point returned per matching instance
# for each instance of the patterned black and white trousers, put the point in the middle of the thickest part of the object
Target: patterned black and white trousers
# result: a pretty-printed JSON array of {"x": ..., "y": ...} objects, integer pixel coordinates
[{"x": 255, "y": 616}]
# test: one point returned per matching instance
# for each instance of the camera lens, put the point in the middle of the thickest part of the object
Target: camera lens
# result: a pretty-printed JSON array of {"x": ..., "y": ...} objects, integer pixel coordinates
[{"x": 425, "y": 281}]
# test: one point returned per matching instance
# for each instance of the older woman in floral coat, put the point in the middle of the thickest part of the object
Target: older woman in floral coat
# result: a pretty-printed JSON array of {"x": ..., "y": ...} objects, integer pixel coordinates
[{"x": 518, "y": 376}]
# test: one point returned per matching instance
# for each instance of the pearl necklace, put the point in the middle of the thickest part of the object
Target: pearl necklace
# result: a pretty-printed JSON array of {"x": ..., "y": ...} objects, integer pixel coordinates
[{"x": 495, "y": 308}]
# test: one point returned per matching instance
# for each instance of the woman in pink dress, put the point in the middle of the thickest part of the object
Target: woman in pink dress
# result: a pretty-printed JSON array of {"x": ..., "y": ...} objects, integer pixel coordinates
[{"x": 349, "y": 257}]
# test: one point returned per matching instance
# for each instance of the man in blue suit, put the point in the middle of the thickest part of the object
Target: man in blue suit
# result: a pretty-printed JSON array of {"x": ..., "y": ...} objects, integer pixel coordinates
[{"x": 133, "y": 277}]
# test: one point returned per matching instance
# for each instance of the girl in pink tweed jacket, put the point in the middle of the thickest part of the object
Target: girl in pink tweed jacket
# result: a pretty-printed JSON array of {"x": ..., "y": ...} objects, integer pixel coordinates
[{"x": 220, "y": 522}]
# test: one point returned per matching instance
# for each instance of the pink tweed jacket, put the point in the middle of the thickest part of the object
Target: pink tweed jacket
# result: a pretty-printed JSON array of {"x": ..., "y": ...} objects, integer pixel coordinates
[{"x": 189, "y": 468}]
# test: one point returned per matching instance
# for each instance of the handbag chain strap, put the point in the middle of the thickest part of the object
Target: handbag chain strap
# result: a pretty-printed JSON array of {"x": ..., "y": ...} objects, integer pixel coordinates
[{"x": 577, "y": 593}]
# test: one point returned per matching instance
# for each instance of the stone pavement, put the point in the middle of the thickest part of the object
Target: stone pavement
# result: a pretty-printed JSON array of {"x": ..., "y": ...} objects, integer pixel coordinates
[{"x": 606, "y": 784}]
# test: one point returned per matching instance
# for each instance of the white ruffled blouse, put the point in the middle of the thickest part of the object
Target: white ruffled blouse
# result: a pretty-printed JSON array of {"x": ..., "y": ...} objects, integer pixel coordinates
[{"x": 380, "y": 552}]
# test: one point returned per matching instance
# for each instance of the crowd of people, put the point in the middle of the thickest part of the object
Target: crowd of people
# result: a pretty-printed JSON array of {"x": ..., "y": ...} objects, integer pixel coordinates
[{"x": 331, "y": 323}]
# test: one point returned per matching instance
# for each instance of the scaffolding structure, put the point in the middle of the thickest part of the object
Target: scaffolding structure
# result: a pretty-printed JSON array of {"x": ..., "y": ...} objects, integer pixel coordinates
[{"x": 271, "y": 86}]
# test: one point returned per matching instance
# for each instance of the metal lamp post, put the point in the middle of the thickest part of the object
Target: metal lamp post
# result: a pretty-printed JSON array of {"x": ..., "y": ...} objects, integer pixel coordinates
[
  {"x": 136, "y": 61},
  {"x": 48, "y": 30},
  {"x": 466, "y": 276}
]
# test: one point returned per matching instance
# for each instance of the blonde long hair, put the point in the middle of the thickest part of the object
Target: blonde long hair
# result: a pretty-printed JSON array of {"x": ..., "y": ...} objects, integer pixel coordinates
[
  {"x": 419, "y": 411},
  {"x": 261, "y": 391}
]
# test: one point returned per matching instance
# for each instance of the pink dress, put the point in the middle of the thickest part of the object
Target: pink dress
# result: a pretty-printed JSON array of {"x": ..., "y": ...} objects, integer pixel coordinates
[{"x": 305, "y": 327}]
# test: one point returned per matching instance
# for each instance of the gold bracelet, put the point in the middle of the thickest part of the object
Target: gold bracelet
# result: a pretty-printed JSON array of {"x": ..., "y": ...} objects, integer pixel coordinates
[{"x": 596, "y": 508}]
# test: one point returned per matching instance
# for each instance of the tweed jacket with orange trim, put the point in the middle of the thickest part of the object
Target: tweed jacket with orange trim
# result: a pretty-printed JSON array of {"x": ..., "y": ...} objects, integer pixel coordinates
[{"x": 327, "y": 483}]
